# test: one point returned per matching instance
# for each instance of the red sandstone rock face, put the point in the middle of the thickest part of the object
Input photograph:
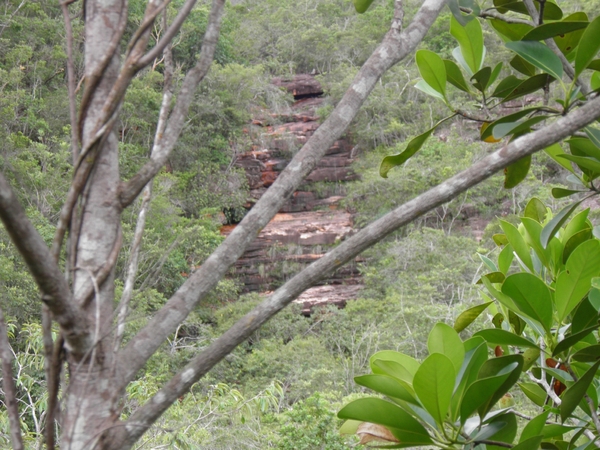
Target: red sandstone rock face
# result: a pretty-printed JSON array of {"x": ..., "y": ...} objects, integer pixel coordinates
[{"x": 310, "y": 222}]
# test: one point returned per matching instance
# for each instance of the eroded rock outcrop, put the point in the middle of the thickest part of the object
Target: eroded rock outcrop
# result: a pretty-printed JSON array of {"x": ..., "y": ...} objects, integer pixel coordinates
[{"x": 312, "y": 220}]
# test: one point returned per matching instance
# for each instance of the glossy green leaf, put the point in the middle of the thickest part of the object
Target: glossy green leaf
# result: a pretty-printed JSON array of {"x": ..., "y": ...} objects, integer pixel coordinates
[
  {"x": 590, "y": 166},
  {"x": 480, "y": 392},
  {"x": 516, "y": 322},
  {"x": 424, "y": 87},
  {"x": 502, "y": 298},
  {"x": 568, "y": 41},
  {"x": 562, "y": 193},
  {"x": 534, "y": 393},
  {"x": 552, "y": 29},
  {"x": 594, "y": 135},
  {"x": 575, "y": 241},
  {"x": 386, "y": 385},
  {"x": 400, "y": 423},
  {"x": 517, "y": 128},
  {"x": 574, "y": 393},
  {"x": 505, "y": 259},
  {"x": 553, "y": 430},
  {"x": 516, "y": 172},
  {"x": 488, "y": 262},
  {"x": 595, "y": 81},
  {"x": 500, "y": 239},
  {"x": 571, "y": 339},
  {"x": 445, "y": 340},
  {"x": 475, "y": 357},
  {"x": 467, "y": 317},
  {"x": 493, "y": 277},
  {"x": 534, "y": 230},
  {"x": 554, "y": 151},
  {"x": 506, "y": 86},
  {"x": 528, "y": 86},
  {"x": 408, "y": 364},
  {"x": 361, "y": 6},
  {"x": 532, "y": 297},
  {"x": 432, "y": 69},
  {"x": 530, "y": 356},
  {"x": 502, "y": 337},
  {"x": 389, "y": 162},
  {"x": 350, "y": 427},
  {"x": 518, "y": 243},
  {"x": 551, "y": 10},
  {"x": 587, "y": 354},
  {"x": 434, "y": 384},
  {"x": 522, "y": 66},
  {"x": 506, "y": 430},
  {"x": 462, "y": 18},
  {"x": 536, "y": 210},
  {"x": 511, "y": 364},
  {"x": 510, "y": 31},
  {"x": 588, "y": 46},
  {"x": 585, "y": 316},
  {"x": 529, "y": 444},
  {"x": 576, "y": 280},
  {"x": 552, "y": 227},
  {"x": 455, "y": 76},
  {"x": 508, "y": 119},
  {"x": 481, "y": 79},
  {"x": 534, "y": 427},
  {"x": 470, "y": 40},
  {"x": 576, "y": 224},
  {"x": 539, "y": 55}
]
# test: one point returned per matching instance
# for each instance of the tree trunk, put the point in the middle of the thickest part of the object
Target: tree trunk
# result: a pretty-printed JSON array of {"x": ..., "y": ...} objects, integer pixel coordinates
[{"x": 91, "y": 404}]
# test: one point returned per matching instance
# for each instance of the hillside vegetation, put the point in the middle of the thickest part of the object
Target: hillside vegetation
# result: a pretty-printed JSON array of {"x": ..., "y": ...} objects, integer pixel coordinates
[{"x": 283, "y": 387}]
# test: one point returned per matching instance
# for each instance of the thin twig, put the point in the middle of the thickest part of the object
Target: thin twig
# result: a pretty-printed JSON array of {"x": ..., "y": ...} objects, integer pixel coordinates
[
  {"x": 9, "y": 387},
  {"x": 71, "y": 82}
]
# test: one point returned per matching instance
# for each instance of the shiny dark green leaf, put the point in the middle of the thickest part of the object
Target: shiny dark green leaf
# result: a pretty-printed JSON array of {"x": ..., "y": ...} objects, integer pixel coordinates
[
  {"x": 482, "y": 78},
  {"x": 510, "y": 31},
  {"x": 401, "y": 424},
  {"x": 571, "y": 339},
  {"x": 361, "y": 6},
  {"x": 557, "y": 221},
  {"x": 588, "y": 46},
  {"x": 517, "y": 128},
  {"x": 554, "y": 151},
  {"x": 511, "y": 364},
  {"x": 574, "y": 393},
  {"x": 470, "y": 40},
  {"x": 551, "y": 10},
  {"x": 522, "y": 66},
  {"x": 552, "y": 29},
  {"x": 539, "y": 55},
  {"x": 467, "y": 317},
  {"x": 588, "y": 354},
  {"x": 506, "y": 86},
  {"x": 568, "y": 42},
  {"x": 386, "y": 385},
  {"x": 502, "y": 337},
  {"x": 389, "y": 162},
  {"x": 561, "y": 193},
  {"x": 535, "y": 210},
  {"x": 434, "y": 384},
  {"x": 432, "y": 69},
  {"x": 493, "y": 277},
  {"x": 532, "y": 297},
  {"x": 529, "y": 86},
  {"x": 516, "y": 172},
  {"x": 534, "y": 393},
  {"x": 455, "y": 76},
  {"x": 534, "y": 427},
  {"x": 575, "y": 241}
]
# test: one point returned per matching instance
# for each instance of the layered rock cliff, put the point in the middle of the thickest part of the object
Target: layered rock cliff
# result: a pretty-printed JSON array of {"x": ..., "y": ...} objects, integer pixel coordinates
[{"x": 312, "y": 220}]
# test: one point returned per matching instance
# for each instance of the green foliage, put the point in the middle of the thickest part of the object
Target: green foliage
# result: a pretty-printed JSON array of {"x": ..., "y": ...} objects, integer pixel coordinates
[{"x": 545, "y": 306}]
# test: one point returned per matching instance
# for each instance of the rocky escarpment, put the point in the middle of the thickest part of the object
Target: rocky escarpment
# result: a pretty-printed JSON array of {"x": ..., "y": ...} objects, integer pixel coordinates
[{"x": 312, "y": 221}]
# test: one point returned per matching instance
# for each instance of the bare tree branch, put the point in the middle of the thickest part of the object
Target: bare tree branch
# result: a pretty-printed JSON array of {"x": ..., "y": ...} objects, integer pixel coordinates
[
  {"x": 168, "y": 139},
  {"x": 9, "y": 387},
  {"x": 71, "y": 82},
  {"x": 47, "y": 274},
  {"x": 395, "y": 46},
  {"x": 367, "y": 237}
]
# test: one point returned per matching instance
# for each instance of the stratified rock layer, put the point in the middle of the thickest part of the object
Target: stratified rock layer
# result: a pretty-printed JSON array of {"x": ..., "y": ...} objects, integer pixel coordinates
[{"x": 311, "y": 221}]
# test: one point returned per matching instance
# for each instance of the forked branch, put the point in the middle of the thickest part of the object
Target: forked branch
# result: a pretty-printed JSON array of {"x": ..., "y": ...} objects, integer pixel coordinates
[{"x": 367, "y": 237}]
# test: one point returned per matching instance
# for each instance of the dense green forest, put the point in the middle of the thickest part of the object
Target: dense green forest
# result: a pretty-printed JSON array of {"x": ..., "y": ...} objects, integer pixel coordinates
[{"x": 283, "y": 387}]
